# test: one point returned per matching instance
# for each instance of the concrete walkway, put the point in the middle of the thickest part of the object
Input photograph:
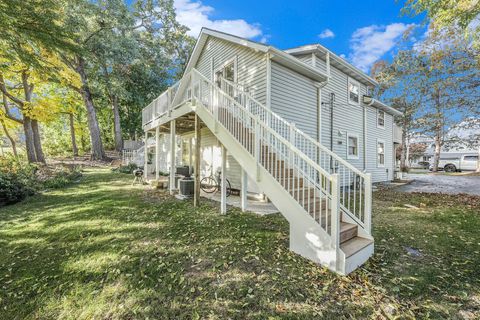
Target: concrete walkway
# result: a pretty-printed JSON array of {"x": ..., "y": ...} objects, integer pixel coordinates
[{"x": 259, "y": 207}]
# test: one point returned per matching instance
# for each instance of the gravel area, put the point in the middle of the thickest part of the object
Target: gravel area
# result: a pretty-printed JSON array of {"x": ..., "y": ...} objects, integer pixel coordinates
[{"x": 439, "y": 183}]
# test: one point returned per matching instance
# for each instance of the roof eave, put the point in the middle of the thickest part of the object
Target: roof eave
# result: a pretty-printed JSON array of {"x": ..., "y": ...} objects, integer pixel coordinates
[
  {"x": 379, "y": 104},
  {"x": 205, "y": 33},
  {"x": 295, "y": 64},
  {"x": 277, "y": 55},
  {"x": 317, "y": 48}
]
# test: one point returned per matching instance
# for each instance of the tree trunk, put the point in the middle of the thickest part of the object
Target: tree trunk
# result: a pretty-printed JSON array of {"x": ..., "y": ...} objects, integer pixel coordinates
[
  {"x": 95, "y": 138},
  {"x": 29, "y": 144},
  {"x": 72, "y": 135},
  {"x": 439, "y": 125},
  {"x": 436, "y": 156},
  {"x": 478, "y": 161},
  {"x": 403, "y": 165},
  {"x": 37, "y": 142},
  {"x": 30, "y": 133},
  {"x": 117, "y": 125},
  {"x": 12, "y": 141},
  {"x": 117, "y": 128}
]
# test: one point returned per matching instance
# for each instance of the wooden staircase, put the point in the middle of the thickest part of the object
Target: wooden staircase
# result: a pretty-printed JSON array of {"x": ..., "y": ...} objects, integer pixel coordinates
[
  {"x": 324, "y": 227},
  {"x": 350, "y": 241}
]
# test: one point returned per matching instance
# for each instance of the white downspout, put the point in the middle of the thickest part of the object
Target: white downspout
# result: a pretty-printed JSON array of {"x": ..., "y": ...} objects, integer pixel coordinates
[
  {"x": 269, "y": 80},
  {"x": 365, "y": 122}
]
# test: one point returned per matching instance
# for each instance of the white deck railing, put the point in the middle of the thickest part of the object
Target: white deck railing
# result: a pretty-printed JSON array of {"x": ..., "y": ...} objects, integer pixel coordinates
[
  {"x": 160, "y": 105},
  {"x": 355, "y": 191},
  {"x": 291, "y": 156}
]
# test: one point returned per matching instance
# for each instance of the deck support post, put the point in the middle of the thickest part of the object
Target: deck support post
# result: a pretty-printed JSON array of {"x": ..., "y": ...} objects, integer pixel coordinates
[
  {"x": 243, "y": 192},
  {"x": 223, "y": 182},
  {"x": 190, "y": 154},
  {"x": 196, "y": 169},
  {"x": 335, "y": 215},
  {"x": 173, "y": 150},
  {"x": 157, "y": 153},
  {"x": 368, "y": 203},
  {"x": 145, "y": 157}
]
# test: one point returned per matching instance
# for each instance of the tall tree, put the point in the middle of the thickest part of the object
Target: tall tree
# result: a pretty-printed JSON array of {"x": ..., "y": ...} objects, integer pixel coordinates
[
  {"x": 20, "y": 80},
  {"x": 448, "y": 81},
  {"x": 394, "y": 79},
  {"x": 29, "y": 28},
  {"x": 30, "y": 25},
  {"x": 463, "y": 14},
  {"x": 115, "y": 38}
]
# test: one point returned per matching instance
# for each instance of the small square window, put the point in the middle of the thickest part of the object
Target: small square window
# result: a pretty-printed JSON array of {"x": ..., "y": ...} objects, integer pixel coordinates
[
  {"x": 352, "y": 146},
  {"x": 353, "y": 92},
  {"x": 380, "y": 119}
]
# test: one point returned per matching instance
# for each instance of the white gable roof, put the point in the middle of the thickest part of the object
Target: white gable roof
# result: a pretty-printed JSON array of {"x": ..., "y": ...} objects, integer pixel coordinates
[
  {"x": 288, "y": 59},
  {"x": 335, "y": 60},
  {"x": 276, "y": 54}
]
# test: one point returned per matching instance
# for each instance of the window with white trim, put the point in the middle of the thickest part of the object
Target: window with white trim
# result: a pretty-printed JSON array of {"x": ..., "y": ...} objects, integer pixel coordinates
[
  {"x": 353, "y": 91},
  {"x": 352, "y": 146},
  {"x": 381, "y": 119},
  {"x": 380, "y": 153}
]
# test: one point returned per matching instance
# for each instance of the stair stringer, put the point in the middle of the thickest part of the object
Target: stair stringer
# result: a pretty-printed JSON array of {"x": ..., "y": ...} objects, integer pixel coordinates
[{"x": 307, "y": 238}]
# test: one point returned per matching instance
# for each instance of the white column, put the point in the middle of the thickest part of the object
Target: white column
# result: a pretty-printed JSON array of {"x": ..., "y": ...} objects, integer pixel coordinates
[
  {"x": 145, "y": 156},
  {"x": 196, "y": 170},
  {"x": 190, "y": 153},
  {"x": 243, "y": 192},
  {"x": 223, "y": 184},
  {"x": 157, "y": 153},
  {"x": 173, "y": 150}
]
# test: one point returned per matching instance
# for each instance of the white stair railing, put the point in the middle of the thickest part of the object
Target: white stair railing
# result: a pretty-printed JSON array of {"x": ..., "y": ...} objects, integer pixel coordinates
[
  {"x": 355, "y": 185},
  {"x": 288, "y": 165},
  {"x": 303, "y": 157}
]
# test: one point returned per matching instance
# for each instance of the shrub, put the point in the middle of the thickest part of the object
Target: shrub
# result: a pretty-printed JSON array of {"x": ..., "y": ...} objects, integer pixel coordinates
[
  {"x": 126, "y": 169},
  {"x": 62, "y": 177},
  {"x": 18, "y": 179}
]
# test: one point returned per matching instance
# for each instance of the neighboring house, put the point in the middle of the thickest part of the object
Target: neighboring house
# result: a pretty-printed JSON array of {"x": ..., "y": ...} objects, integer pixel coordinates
[{"x": 297, "y": 126}]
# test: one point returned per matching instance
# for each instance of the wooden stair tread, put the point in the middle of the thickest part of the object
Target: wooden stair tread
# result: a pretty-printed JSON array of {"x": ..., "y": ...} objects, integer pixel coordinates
[
  {"x": 354, "y": 245},
  {"x": 348, "y": 231},
  {"x": 345, "y": 226}
]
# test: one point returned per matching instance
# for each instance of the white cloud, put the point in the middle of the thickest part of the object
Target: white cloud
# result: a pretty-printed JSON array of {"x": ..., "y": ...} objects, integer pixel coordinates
[
  {"x": 327, "y": 33},
  {"x": 195, "y": 15},
  {"x": 368, "y": 44}
]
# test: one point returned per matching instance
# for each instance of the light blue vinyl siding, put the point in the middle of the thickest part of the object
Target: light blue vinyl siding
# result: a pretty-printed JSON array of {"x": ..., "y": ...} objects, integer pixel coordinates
[
  {"x": 251, "y": 65},
  {"x": 348, "y": 119},
  {"x": 294, "y": 97},
  {"x": 252, "y": 74}
]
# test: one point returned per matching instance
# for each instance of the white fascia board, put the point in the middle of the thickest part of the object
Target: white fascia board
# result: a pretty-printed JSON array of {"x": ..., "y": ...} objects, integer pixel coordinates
[
  {"x": 334, "y": 58},
  {"x": 277, "y": 55},
  {"x": 295, "y": 64},
  {"x": 202, "y": 39},
  {"x": 380, "y": 105}
]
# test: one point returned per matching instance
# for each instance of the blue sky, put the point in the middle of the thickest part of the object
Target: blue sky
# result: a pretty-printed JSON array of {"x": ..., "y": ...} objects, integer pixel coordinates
[{"x": 361, "y": 31}]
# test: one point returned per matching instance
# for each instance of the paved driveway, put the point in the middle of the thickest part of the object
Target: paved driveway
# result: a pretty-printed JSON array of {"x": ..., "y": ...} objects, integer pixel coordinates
[{"x": 437, "y": 183}]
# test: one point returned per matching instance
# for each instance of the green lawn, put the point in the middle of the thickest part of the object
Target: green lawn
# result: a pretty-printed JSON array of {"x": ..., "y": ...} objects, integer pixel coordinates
[{"x": 102, "y": 249}]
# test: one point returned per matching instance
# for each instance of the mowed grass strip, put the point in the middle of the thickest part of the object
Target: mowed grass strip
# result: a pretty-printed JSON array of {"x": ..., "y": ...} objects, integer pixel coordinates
[{"x": 103, "y": 249}]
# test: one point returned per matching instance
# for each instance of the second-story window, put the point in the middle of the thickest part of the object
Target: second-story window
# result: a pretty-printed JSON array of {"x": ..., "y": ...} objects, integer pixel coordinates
[
  {"x": 353, "y": 91},
  {"x": 380, "y": 119}
]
